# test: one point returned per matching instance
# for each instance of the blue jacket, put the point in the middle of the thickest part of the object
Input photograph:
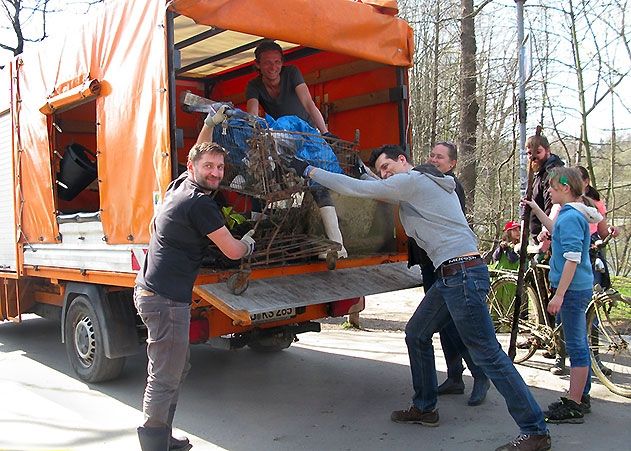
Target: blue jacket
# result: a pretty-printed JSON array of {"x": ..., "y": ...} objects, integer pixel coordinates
[{"x": 571, "y": 234}]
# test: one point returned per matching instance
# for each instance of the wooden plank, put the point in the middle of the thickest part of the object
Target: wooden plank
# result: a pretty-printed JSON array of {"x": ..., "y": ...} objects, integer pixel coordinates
[
  {"x": 322, "y": 76},
  {"x": 341, "y": 71},
  {"x": 361, "y": 101},
  {"x": 264, "y": 295}
]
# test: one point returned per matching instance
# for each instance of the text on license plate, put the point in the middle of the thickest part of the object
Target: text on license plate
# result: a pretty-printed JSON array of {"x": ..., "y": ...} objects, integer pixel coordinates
[{"x": 273, "y": 315}]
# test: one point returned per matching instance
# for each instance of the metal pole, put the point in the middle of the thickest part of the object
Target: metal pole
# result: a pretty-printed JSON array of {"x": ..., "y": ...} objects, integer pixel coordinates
[
  {"x": 523, "y": 159},
  {"x": 525, "y": 178}
]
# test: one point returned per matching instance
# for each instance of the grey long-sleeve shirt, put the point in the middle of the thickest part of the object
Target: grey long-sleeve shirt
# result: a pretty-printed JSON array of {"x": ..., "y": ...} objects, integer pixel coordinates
[{"x": 429, "y": 208}]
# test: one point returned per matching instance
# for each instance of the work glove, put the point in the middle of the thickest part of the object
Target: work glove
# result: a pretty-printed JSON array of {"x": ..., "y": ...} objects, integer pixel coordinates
[
  {"x": 216, "y": 118},
  {"x": 249, "y": 242},
  {"x": 297, "y": 164},
  {"x": 359, "y": 169},
  {"x": 330, "y": 135}
]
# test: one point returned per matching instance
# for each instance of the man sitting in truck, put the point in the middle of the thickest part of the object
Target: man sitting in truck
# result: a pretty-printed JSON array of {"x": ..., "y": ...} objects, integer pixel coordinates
[
  {"x": 186, "y": 223},
  {"x": 430, "y": 213},
  {"x": 282, "y": 91}
]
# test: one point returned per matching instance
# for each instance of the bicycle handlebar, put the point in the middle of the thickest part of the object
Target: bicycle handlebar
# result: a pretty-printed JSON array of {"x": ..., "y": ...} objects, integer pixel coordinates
[{"x": 599, "y": 244}]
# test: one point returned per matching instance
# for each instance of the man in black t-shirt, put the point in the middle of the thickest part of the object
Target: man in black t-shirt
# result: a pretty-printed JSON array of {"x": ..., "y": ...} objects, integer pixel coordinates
[
  {"x": 282, "y": 91},
  {"x": 187, "y": 222}
]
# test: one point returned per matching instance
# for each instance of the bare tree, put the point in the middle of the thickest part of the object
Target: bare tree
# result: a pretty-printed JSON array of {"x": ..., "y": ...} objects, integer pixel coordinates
[
  {"x": 469, "y": 102},
  {"x": 32, "y": 14}
]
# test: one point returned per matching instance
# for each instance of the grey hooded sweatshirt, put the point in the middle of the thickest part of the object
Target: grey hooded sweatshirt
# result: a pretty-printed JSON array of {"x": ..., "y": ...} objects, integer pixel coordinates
[{"x": 429, "y": 208}]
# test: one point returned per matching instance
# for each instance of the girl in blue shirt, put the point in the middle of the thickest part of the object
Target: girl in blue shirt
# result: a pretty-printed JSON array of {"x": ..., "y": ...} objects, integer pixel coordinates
[{"x": 571, "y": 280}]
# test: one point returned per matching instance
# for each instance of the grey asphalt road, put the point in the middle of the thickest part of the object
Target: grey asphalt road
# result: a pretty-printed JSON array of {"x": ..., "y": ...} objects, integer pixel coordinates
[{"x": 330, "y": 391}]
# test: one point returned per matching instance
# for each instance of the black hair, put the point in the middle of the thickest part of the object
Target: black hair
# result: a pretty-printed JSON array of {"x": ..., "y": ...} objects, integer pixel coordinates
[
  {"x": 452, "y": 150},
  {"x": 590, "y": 191},
  {"x": 266, "y": 46},
  {"x": 392, "y": 151}
]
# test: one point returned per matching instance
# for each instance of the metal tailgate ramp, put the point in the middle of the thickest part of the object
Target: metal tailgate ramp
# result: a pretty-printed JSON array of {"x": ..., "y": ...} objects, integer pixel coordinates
[{"x": 266, "y": 295}]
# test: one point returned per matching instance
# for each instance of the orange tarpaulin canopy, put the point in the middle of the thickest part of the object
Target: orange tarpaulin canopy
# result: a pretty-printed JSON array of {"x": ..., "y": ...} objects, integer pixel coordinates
[
  {"x": 124, "y": 47},
  {"x": 340, "y": 26}
]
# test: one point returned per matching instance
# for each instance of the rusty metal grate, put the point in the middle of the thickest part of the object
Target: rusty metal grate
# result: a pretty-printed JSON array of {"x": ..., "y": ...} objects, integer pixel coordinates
[{"x": 255, "y": 169}]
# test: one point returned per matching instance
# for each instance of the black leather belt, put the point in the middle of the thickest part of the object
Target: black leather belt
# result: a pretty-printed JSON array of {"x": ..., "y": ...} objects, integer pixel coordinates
[{"x": 449, "y": 269}]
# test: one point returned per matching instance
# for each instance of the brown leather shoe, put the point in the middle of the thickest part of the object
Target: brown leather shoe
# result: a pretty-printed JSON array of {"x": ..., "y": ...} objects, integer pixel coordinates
[
  {"x": 415, "y": 416},
  {"x": 527, "y": 442}
]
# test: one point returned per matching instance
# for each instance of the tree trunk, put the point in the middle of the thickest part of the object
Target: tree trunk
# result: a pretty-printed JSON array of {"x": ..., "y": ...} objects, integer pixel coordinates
[
  {"x": 434, "y": 102},
  {"x": 468, "y": 103}
]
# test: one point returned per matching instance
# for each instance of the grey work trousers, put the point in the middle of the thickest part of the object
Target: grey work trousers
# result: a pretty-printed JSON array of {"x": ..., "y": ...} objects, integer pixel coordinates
[{"x": 168, "y": 352}]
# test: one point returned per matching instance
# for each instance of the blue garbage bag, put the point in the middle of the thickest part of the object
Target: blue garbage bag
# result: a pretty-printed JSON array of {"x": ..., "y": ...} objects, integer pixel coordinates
[{"x": 312, "y": 147}]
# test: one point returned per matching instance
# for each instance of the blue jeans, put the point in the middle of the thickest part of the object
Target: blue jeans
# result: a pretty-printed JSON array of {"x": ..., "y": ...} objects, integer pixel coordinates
[
  {"x": 462, "y": 296},
  {"x": 451, "y": 343},
  {"x": 574, "y": 324},
  {"x": 168, "y": 324}
]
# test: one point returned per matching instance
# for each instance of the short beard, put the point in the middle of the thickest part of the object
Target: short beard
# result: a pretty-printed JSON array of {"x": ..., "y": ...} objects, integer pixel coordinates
[{"x": 202, "y": 184}]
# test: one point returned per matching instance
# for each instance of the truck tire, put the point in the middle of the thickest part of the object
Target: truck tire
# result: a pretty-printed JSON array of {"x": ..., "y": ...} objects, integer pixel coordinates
[
  {"x": 84, "y": 344},
  {"x": 272, "y": 343}
]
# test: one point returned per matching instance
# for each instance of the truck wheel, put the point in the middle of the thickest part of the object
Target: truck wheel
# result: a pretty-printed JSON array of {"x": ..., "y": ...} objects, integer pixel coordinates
[
  {"x": 273, "y": 343},
  {"x": 84, "y": 344}
]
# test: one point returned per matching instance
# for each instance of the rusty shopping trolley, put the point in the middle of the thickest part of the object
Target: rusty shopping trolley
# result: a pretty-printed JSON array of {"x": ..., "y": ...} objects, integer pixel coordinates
[{"x": 280, "y": 198}]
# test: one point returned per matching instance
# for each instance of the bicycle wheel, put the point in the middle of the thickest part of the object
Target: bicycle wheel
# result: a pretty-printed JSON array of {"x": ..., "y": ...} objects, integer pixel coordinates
[
  {"x": 501, "y": 301},
  {"x": 609, "y": 339}
]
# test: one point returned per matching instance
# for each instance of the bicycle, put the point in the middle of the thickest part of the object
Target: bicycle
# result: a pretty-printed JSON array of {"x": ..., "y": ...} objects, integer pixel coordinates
[{"x": 609, "y": 337}]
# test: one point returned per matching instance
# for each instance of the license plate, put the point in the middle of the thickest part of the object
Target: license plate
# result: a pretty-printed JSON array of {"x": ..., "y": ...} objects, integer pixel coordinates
[{"x": 273, "y": 315}]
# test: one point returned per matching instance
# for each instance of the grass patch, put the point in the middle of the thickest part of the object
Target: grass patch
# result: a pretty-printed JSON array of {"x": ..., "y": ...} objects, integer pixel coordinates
[
  {"x": 622, "y": 284},
  {"x": 622, "y": 310}
]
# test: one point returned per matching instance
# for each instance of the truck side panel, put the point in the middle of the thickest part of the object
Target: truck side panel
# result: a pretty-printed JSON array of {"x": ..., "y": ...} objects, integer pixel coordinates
[{"x": 8, "y": 254}]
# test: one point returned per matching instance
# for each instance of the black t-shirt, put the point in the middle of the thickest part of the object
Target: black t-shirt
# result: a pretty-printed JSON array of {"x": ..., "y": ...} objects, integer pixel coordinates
[
  {"x": 179, "y": 240},
  {"x": 287, "y": 103}
]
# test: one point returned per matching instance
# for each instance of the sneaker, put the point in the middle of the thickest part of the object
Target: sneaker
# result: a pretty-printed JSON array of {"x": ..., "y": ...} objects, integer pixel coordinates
[
  {"x": 415, "y": 416},
  {"x": 567, "y": 411},
  {"x": 559, "y": 368},
  {"x": 586, "y": 404},
  {"x": 527, "y": 442},
  {"x": 451, "y": 387}
]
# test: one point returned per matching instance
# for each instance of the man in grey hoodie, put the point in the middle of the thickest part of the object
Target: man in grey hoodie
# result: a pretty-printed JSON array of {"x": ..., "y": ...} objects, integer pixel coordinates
[{"x": 430, "y": 213}]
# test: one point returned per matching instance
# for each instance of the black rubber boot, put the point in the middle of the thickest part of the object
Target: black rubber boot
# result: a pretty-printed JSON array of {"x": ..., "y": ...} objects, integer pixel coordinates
[
  {"x": 481, "y": 385},
  {"x": 451, "y": 387},
  {"x": 176, "y": 443},
  {"x": 154, "y": 439}
]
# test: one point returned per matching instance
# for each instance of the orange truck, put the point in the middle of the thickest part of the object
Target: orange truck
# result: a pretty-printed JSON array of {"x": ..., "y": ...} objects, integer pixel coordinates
[{"x": 92, "y": 132}]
